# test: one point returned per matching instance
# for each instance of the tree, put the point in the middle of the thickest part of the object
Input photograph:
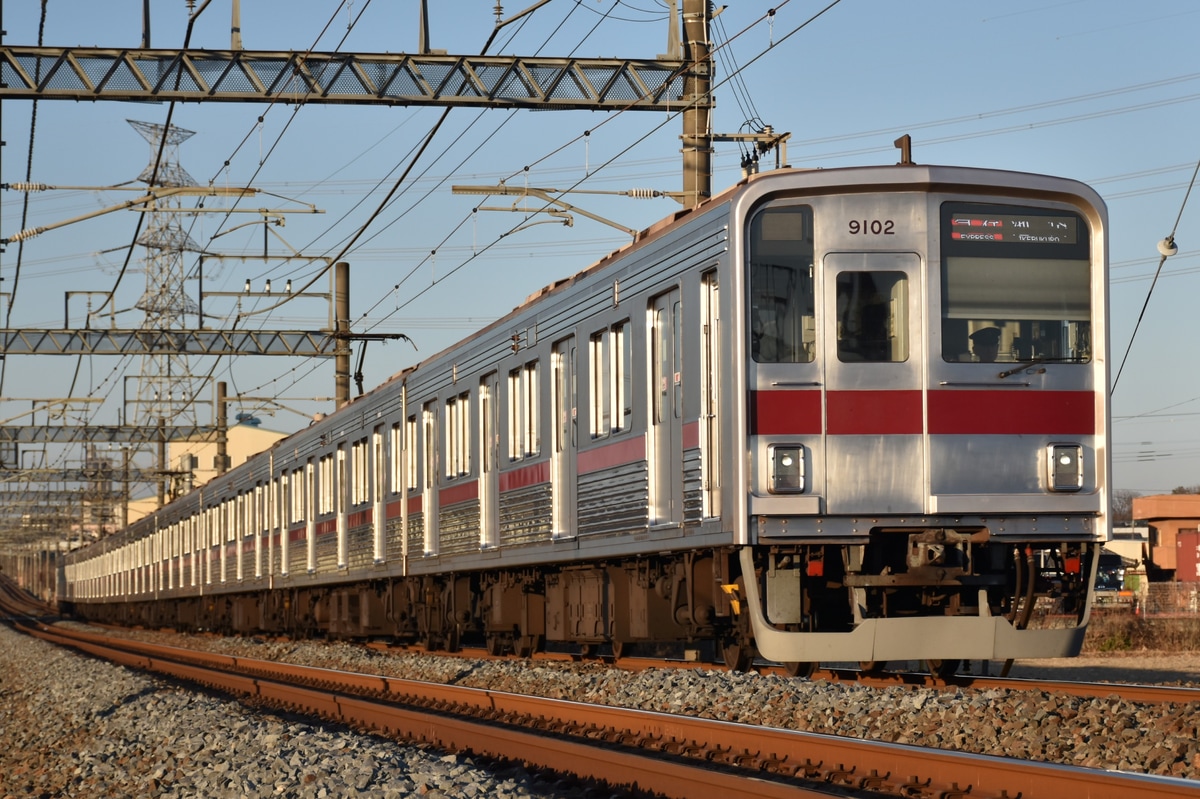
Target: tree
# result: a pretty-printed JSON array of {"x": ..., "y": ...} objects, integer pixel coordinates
[
  {"x": 1186, "y": 490},
  {"x": 1122, "y": 504}
]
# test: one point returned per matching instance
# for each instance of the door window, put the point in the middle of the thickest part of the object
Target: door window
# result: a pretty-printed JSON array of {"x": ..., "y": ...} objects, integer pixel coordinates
[{"x": 872, "y": 323}]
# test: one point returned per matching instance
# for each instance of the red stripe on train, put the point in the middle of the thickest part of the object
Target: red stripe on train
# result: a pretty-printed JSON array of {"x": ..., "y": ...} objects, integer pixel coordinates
[
  {"x": 950, "y": 412},
  {"x": 534, "y": 474},
  {"x": 785, "y": 413},
  {"x": 451, "y": 495},
  {"x": 618, "y": 453},
  {"x": 878, "y": 413},
  {"x": 1012, "y": 412}
]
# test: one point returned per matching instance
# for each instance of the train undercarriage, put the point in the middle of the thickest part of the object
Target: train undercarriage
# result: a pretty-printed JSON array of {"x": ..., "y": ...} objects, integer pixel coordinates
[{"x": 697, "y": 605}]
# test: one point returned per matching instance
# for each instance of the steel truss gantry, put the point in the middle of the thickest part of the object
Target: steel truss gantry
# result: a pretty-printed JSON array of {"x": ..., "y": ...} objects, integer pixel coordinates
[
  {"x": 132, "y": 434},
  {"x": 96, "y": 73},
  {"x": 109, "y": 341}
]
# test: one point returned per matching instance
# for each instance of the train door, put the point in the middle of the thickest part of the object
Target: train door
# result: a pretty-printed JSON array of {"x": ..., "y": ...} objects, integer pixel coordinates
[
  {"x": 666, "y": 409},
  {"x": 562, "y": 456},
  {"x": 341, "y": 503},
  {"x": 874, "y": 418},
  {"x": 310, "y": 515},
  {"x": 429, "y": 495},
  {"x": 379, "y": 463},
  {"x": 489, "y": 452},
  {"x": 710, "y": 392}
]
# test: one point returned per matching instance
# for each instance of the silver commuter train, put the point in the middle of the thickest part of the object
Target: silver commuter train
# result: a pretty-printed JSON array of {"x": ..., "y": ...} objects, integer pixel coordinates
[{"x": 827, "y": 416}]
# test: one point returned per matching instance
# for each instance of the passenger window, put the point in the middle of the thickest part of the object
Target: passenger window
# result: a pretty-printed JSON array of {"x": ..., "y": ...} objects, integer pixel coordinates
[
  {"x": 872, "y": 317},
  {"x": 781, "y": 317}
]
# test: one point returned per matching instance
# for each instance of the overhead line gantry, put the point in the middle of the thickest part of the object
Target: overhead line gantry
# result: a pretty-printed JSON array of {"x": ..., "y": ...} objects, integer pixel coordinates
[
  {"x": 240, "y": 76},
  {"x": 678, "y": 82}
]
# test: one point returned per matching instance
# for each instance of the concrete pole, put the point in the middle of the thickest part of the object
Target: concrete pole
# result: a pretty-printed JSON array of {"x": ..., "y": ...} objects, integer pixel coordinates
[
  {"x": 222, "y": 458},
  {"x": 341, "y": 315},
  {"x": 697, "y": 119}
]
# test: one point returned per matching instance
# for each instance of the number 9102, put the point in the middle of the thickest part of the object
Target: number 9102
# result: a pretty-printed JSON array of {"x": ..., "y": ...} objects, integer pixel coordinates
[{"x": 875, "y": 227}]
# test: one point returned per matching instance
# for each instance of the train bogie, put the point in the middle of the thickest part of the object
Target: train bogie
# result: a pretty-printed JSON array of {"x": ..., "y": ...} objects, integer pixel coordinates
[{"x": 829, "y": 415}]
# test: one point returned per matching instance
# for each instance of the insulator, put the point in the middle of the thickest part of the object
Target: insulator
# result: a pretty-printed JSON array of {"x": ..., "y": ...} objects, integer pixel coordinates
[
  {"x": 25, "y": 234},
  {"x": 644, "y": 194},
  {"x": 29, "y": 186}
]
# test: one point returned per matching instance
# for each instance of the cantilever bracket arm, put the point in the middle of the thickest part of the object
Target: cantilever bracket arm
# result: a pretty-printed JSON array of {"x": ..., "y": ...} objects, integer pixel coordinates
[
  {"x": 366, "y": 338},
  {"x": 541, "y": 194}
]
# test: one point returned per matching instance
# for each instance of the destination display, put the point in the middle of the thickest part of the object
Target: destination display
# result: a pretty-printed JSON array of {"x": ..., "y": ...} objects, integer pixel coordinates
[{"x": 1014, "y": 228}]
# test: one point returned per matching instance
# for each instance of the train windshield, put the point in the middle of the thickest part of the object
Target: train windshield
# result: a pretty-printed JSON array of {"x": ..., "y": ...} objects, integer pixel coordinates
[
  {"x": 1016, "y": 284},
  {"x": 782, "y": 319}
]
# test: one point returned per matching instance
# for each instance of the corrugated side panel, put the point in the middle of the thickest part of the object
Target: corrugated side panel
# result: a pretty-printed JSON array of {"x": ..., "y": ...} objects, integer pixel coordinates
[
  {"x": 416, "y": 535},
  {"x": 394, "y": 541},
  {"x": 274, "y": 559},
  {"x": 693, "y": 488},
  {"x": 525, "y": 515},
  {"x": 614, "y": 500},
  {"x": 298, "y": 556},
  {"x": 459, "y": 528},
  {"x": 327, "y": 553},
  {"x": 360, "y": 547}
]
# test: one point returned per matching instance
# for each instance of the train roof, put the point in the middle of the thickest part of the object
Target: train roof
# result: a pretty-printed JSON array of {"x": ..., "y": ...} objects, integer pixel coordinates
[{"x": 859, "y": 178}]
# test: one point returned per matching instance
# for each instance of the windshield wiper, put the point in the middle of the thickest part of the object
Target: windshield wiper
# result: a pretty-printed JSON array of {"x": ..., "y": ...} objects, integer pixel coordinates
[{"x": 1021, "y": 367}]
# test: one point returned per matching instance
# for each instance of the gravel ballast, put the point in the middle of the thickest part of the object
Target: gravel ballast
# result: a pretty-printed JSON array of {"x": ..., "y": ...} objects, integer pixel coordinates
[
  {"x": 71, "y": 726},
  {"x": 85, "y": 728},
  {"x": 1108, "y": 732}
]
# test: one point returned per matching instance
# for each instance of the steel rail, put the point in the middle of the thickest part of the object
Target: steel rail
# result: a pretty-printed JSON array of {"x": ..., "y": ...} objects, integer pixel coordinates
[
  {"x": 638, "y": 771},
  {"x": 1130, "y": 692},
  {"x": 654, "y": 742}
]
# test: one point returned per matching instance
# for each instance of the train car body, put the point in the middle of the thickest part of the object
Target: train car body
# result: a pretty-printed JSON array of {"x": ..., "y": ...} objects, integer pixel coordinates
[{"x": 830, "y": 415}]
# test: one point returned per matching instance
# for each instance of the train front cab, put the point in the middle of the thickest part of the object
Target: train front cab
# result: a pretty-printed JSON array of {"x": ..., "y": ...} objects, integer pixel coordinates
[{"x": 925, "y": 417}]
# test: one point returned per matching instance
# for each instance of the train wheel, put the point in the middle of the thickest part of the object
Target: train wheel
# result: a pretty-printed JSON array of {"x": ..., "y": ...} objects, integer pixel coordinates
[
  {"x": 619, "y": 649},
  {"x": 871, "y": 666},
  {"x": 453, "y": 640},
  {"x": 943, "y": 668},
  {"x": 524, "y": 646},
  {"x": 496, "y": 645},
  {"x": 802, "y": 669},
  {"x": 737, "y": 656}
]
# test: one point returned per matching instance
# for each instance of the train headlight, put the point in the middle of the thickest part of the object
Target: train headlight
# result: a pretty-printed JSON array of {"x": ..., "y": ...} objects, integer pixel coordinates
[
  {"x": 787, "y": 468},
  {"x": 1065, "y": 463}
]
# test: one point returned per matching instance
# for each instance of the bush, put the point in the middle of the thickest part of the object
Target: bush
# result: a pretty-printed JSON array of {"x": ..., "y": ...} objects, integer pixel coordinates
[{"x": 1122, "y": 631}]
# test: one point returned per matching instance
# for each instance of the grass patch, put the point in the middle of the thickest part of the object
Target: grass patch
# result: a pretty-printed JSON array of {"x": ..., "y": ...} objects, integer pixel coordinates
[{"x": 1121, "y": 631}]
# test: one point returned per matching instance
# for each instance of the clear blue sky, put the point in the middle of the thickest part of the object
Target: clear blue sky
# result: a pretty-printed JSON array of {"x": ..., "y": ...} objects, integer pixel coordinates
[{"x": 1104, "y": 91}]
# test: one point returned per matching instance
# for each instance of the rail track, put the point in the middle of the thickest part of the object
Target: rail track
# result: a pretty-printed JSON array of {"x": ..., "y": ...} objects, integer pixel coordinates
[
  {"x": 654, "y": 753},
  {"x": 1131, "y": 692},
  {"x": 14, "y": 600}
]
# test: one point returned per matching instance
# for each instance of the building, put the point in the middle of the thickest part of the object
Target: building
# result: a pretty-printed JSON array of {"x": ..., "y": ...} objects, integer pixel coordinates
[
  {"x": 199, "y": 460},
  {"x": 1132, "y": 543},
  {"x": 1173, "y": 520}
]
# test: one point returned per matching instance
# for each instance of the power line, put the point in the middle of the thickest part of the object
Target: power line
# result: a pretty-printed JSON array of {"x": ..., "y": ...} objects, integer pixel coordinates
[{"x": 1167, "y": 248}]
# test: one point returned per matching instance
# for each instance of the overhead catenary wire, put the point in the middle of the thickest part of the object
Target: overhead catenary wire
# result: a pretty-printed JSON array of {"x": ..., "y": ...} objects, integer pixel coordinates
[
  {"x": 670, "y": 118},
  {"x": 129, "y": 250},
  {"x": 1167, "y": 247},
  {"x": 25, "y": 199},
  {"x": 329, "y": 261},
  {"x": 590, "y": 175},
  {"x": 191, "y": 401},
  {"x": 360, "y": 250}
]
